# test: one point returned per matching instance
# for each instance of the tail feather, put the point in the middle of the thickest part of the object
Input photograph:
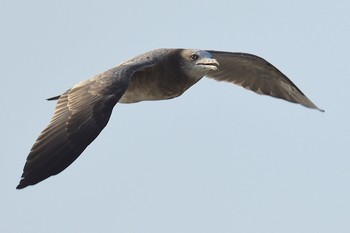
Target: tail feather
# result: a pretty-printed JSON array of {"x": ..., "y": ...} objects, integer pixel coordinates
[{"x": 54, "y": 98}]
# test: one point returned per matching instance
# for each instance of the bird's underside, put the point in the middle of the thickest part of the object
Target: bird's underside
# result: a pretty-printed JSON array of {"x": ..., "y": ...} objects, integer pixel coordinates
[{"x": 84, "y": 110}]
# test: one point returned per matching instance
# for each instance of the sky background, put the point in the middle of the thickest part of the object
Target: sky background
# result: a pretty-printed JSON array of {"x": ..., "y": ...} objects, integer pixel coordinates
[{"x": 217, "y": 159}]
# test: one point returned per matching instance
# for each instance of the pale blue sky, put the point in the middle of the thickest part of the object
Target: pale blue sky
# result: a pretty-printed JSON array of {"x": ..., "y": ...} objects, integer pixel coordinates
[{"x": 217, "y": 159}]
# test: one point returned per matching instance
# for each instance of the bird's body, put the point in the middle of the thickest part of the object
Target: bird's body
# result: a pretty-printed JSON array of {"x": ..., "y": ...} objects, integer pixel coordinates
[
  {"x": 159, "y": 81},
  {"x": 84, "y": 110}
]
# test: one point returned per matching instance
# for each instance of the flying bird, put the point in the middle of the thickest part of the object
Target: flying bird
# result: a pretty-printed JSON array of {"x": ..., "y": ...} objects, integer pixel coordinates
[{"x": 84, "y": 110}]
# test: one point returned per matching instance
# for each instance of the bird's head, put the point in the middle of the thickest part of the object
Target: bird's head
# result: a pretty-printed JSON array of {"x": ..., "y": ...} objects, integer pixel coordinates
[{"x": 197, "y": 63}]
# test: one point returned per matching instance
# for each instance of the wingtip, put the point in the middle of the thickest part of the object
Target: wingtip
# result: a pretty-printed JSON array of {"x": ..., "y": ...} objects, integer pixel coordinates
[
  {"x": 22, "y": 183},
  {"x": 21, "y": 186},
  {"x": 317, "y": 108}
]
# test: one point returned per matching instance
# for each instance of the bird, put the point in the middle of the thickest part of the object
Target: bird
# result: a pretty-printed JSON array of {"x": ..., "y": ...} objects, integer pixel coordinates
[{"x": 84, "y": 110}]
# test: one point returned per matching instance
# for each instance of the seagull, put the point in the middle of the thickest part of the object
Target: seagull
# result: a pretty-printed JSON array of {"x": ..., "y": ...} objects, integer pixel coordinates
[{"x": 84, "y": 110}]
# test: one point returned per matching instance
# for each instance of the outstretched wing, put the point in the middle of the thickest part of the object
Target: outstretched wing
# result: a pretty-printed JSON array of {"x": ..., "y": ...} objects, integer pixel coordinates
[
  {"x": 80, "y": 115},
  {"x": 256, "y": 74}
]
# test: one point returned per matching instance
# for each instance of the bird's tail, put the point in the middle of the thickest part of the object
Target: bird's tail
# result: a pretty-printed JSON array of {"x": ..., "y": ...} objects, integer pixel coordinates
[{"x": 54, "y": 98}]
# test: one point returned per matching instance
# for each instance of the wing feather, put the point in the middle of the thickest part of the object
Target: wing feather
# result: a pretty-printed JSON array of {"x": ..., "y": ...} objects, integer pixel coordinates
[
  {"x": 80, "y": 115},
  {"x": 258, "y": 75}
]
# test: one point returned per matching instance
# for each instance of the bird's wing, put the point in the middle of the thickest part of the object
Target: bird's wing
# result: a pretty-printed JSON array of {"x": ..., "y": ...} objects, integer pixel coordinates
[
  {"x": 80, "y": 115},
  {"x": 256, "y": 74}
]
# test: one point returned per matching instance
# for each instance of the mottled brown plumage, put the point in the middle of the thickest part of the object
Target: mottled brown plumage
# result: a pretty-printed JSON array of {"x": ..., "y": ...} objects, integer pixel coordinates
[{"x": 84, "y": 110}]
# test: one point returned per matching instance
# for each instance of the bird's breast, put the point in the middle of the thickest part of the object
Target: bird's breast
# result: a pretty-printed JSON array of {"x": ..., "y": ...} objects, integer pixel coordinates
[{"x": 149, "y": 85}]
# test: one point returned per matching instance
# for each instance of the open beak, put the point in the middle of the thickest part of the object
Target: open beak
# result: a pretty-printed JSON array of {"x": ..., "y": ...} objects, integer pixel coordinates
[{"x": 208, "y": 64}]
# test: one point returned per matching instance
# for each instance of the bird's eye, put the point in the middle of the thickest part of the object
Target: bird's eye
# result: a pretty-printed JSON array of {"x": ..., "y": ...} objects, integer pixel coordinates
[{"x": 194, "y": 56}]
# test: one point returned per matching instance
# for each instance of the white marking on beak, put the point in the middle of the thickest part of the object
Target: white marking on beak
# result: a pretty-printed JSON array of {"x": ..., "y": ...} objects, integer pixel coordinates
[{"x": 208, "y": 64}]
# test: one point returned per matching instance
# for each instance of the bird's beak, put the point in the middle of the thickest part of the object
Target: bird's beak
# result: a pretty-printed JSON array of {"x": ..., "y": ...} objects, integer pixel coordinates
[{"x": 208, "y": 64}]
